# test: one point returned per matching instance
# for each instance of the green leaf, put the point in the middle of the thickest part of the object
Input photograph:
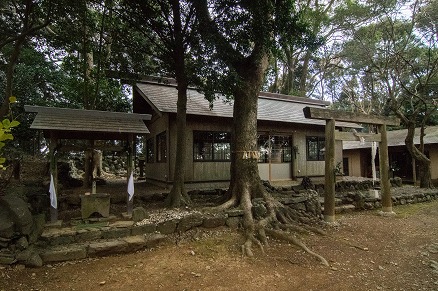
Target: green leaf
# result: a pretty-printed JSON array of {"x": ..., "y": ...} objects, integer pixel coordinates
[
  {"x": 14, "y": 123},
  {"x": 12, "y": 99},
  {"x": 6, "y": 136},
  {"x": 2, "y": 160},
  {"x": 2, "y": 144},
  {"x": 6, "y": 123}
]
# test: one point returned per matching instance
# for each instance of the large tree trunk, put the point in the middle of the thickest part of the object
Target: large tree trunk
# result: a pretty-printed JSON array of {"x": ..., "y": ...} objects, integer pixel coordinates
[
  {"x": 421, "y": 159},
  {"x": 289, "y": 86},
  {"x": 27, "y": 30},
  {"x": 244, "y": 170},
  {"x": 10, "y": 75},
  {"x": 245, "y": 180},
  {"x": 303, "y": 77},
  {"x": 178, "y": 196}
]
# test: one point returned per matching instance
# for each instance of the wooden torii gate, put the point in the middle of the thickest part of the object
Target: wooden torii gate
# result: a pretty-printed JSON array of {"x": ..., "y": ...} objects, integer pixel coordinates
[{"x": 331, "y": 116}]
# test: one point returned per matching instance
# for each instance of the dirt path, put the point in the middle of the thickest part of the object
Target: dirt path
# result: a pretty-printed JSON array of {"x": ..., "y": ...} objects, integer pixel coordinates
[{"x": 366, "y": 252}]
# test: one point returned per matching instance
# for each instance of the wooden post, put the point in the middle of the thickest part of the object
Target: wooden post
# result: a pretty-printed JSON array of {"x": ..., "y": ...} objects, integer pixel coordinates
[
  {"x": 330, "y": 116},
  {"x": 384, "y": 170},
  {"x": 130, "y": 164},
  {"x": 270, "y": 158},
  {"x": 87, "y": 167},
  {"x": 54, "y": 172},
  {"x": 414, "y": 171},
  {"x": 329, "y": 187}
]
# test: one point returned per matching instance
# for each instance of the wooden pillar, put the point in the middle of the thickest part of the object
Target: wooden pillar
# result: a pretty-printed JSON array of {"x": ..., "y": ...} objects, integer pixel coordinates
[
  {"x": 329, "y": 187},
  {"x": 414, "y": 171},
  {"x": 384, "y": 170},
  {"x": 130, "y": 170},
  {"x": 54, "y": 172},
  {"x": 88, "y": 156},
  {"x": 270, "y": 158}
]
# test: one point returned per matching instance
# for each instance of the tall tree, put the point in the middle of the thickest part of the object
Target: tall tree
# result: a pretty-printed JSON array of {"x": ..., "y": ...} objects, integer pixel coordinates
[
  {"x": 169, "y": 28},
  {"x": 390, "y": 64},
  {"x": 243, "y": 35},
  {"x": 20, "y": 20},
  {"x": 416, "y": 72},
  {"x": 301, "y": 68}
]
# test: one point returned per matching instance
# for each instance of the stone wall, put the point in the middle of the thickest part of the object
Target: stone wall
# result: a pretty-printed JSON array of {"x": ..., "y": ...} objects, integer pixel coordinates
[
  {"x": 365, "y": 201},
  {"x": 19, "y": 231}
]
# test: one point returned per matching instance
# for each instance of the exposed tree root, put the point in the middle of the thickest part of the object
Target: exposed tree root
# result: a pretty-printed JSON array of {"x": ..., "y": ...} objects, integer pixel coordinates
[
  {"x": 289, "y": 238},
  {"x": 178, "y": 197},
  {"x": 227, "y": 204},
  {"x": 277, "y": 223}
]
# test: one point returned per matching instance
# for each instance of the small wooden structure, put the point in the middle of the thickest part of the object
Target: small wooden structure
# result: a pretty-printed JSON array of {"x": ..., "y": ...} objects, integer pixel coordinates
[
  {"x": 331, "y": 116},
  {"x": 91, "y": 125}
]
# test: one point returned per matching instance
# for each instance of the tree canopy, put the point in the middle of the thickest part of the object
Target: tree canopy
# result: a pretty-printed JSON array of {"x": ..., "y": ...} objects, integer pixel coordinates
[{"x": 367, "y": 56}]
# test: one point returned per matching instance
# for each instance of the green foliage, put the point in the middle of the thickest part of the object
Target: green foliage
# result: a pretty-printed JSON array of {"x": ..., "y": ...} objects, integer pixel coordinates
[{"x": 6, "y": 127}]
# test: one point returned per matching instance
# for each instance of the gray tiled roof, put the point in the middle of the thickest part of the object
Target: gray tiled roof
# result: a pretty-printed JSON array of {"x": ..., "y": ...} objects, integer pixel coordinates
[
  {"x": 271, "y": 107},
  {"x": 397, "y": 138},
  {"x": 79, "y": 120}
]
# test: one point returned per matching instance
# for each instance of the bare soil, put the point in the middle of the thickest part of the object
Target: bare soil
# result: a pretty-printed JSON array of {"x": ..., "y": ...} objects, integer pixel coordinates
[{"x": 366, "y": 251}]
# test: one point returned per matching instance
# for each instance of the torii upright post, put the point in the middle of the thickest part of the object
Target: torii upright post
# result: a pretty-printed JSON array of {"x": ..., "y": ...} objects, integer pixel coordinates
[
  {"x": 330, "y": 116},
  {"x": 384, "y": 170},
  {"x": 330, "y": 177}
]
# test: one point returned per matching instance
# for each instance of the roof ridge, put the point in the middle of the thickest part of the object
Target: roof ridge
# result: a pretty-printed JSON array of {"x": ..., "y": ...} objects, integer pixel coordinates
[{"x": 262, "y": 94}]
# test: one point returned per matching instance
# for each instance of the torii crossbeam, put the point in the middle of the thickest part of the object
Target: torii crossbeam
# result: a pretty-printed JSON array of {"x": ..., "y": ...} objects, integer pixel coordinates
[{"x": 331, "y": 116}]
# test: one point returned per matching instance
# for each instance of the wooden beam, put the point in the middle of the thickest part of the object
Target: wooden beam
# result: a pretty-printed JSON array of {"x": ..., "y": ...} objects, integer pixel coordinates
[
  {"x": 104, "y": 148},
  {"x": 340, "y": 115},
  {"x": 350, "y": 136}
]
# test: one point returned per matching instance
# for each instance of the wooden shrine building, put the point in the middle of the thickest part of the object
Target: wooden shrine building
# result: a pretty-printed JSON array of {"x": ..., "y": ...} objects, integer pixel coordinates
[{"x": 64, "y": 123}]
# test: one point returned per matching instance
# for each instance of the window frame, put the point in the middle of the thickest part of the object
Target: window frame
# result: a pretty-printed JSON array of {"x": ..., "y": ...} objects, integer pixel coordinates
[
  {"x": 150, "y": 150},
  {"x": 161, "y": 147},
  {"x": 277, "y": 145},
  {"x": 211, "y": 141},
  {"x": 320, "y": 146}
]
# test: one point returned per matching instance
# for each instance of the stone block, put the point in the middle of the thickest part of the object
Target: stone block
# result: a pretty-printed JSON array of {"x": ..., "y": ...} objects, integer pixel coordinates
[
  {"x": 122, "y": 224},
  {"x": 88, "y": 235},
  {"x": 107, "y": 248},
  {"x": 6, "y": 223},
  {"x": 190, "y": 221},
  {"x": 214, "y": 221},
  {"x": 142, "y": 229},
  {"x": 39, "y": 222},
  {"x": 30, "y": 258},
  {"x": 64, "y": 253},
  {"x": 19, "y": 213},
  {"x": 167, "y": 227},
  {"x": 54, "y": 224},
  {"x": 116, "y": 233},
  {"x": 139, "y": 213},
  {"x": 95, "y": 203},
  {"x": 4, "y": 242},
  {"x": 61, "y": 240},
  {"x": 233, "y": 222},
  {"x": 7, "y": 257},
  {"x": 154, "y": 239},
  {"x": 135, "y": 243},
  {"x": 22, "y": 243}
]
